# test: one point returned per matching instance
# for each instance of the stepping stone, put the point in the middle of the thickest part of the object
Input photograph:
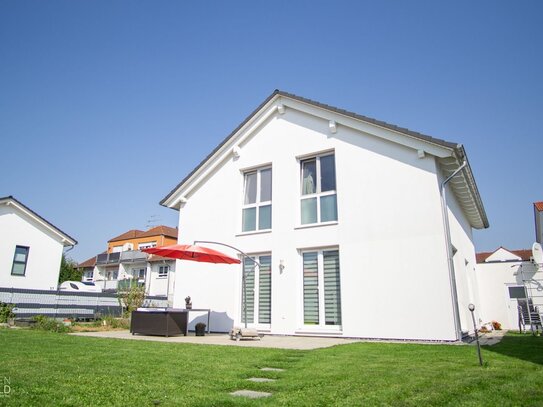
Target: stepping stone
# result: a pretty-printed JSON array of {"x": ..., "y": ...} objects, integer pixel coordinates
[
  {"x": 272, "y": 369},
  {"x": 260, "y": 379},
  {"x": 251, "y": 394}
]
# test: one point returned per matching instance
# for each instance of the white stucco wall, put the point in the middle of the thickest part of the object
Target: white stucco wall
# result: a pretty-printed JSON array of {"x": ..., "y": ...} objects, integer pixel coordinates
[
  {"x": 394, "y": 275},
  {"x": 45, "y": 253},
  {"x": 503, "y": 270}
]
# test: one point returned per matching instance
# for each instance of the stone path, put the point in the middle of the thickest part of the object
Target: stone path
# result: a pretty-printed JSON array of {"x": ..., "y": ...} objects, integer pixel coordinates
[{"x": 251, "y": 394}]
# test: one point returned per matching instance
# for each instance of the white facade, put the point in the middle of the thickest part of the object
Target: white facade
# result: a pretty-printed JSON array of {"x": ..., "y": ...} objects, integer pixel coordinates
[
  {"x": 501, "y": 276},
  {"x": 389, "y": 233},
  {"x": 39, "y": 246}
]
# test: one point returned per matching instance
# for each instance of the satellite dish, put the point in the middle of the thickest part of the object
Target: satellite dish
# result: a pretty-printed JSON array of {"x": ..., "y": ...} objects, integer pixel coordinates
[{"x": 537, "y": 254}]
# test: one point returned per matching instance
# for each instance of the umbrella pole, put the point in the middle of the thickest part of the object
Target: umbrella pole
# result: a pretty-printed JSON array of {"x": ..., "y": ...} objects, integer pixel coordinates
[{"x": 243, "y": 279}]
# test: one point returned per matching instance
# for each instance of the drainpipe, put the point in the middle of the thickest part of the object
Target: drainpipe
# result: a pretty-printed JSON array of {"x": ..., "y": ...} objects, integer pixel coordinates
[{"x": 448, "y": 244}]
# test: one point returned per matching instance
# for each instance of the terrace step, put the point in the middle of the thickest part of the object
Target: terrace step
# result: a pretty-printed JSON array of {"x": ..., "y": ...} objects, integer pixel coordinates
[{"x": 272, "y": 369}]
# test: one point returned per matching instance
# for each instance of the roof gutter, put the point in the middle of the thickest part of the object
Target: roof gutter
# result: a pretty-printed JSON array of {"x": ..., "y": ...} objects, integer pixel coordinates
[{"x": 448, "y": 244}]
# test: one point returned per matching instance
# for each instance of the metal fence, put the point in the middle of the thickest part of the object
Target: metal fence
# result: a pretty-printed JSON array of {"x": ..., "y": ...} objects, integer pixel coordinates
[{"x": 64, "y": 304}]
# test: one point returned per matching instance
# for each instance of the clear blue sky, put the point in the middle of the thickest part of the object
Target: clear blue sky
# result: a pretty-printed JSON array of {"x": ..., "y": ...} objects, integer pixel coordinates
[{"x": 106, "y": 105}]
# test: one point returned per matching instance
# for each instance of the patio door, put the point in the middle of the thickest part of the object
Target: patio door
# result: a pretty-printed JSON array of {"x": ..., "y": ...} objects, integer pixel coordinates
[{"x": 258, "y": 291}]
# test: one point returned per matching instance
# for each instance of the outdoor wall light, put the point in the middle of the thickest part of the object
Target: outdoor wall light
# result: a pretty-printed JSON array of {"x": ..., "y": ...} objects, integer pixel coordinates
[
  {"x": 281, "y": 266},
  {"x": 471, "y": 307}
]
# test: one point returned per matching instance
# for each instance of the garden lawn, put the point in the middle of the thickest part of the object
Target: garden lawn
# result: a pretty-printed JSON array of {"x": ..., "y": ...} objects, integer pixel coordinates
[{"x": 58, "y": 369}]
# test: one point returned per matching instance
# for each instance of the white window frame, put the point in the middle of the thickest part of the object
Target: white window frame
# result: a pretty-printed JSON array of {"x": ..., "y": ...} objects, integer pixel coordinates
[
  {"x": 318, "y": 194},
  {"x": 256, "y": 300},
  {"x": 146, "y": 245},
  {"x": 258, "y": 203},
  {"x": 161, "y": 273},
  {"x": 321, "y": 326},
  {"x": 136, "y": 273}
]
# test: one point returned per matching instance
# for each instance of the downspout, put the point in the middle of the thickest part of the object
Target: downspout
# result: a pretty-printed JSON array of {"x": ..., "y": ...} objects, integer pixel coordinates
[{"x": 448, "y": 244}]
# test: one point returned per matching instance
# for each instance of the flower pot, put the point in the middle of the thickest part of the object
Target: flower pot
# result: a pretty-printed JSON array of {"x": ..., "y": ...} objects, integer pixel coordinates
[{"x": 200, "y": 329}]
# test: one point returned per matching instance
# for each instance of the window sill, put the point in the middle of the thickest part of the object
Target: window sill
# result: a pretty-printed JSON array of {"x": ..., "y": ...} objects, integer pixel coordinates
[
  {"x": 254, "y": 232},
  {"x": 316, "y": 225},
  {"x": 162, "y": 277}
]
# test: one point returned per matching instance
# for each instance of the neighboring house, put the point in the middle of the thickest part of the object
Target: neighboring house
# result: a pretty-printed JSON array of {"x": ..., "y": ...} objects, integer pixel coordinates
[
  {"x": 345, "y": 216},
  {"x": 30, "y": 248},
  {"x": 123, "y": 261},
  {"x": 505, "y": 276},
  {"x": 538, "y": 217}
]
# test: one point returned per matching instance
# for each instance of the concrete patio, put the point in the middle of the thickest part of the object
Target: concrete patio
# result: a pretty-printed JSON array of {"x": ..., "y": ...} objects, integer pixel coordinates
[
  {"x": 269, "y": 341},
  {"x": 275, "y": 341}
]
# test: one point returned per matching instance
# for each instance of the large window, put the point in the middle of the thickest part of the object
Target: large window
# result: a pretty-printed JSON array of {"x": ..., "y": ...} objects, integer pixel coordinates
[
  {"x": 258, "y": 286},
  {"x": 20, "y": 259},
  {"x": 257, "y": 199},
  {"x": 318, "y": 187},
  {"x": 322, "y": 291}
]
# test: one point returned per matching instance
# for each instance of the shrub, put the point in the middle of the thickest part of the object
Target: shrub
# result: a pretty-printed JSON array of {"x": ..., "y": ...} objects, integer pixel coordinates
[
  {"x": 131, "y": 299},
  {"x": 44, "y": 323},
  {"x": 116, "y": 322},
  {"x": 6, "y": 312}
]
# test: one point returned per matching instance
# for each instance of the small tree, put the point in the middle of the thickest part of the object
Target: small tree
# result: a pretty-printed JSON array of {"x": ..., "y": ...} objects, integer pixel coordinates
[
  {"x": 69, "y": 271},
  {"x": 131, "y": 299}
]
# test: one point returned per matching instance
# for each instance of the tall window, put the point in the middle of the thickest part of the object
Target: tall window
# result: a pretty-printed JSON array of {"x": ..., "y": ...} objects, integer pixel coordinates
[
  {"x": 20, "y": 259},
  {"x": 322, "y": 291},
  {"x": 319, "y": 197},
  {"x": 257, "y": 199},
  {"x": 258, "y": 286}
]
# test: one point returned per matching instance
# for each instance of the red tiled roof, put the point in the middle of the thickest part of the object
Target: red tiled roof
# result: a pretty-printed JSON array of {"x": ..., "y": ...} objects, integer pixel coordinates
[
  {"x": 131, "y": 234},
  {"x": 160, "y": 231},
  {"x": 539, "y": 206},
  {"x": 524, "y": 254},
  {"x": 88, "y": 263},
  {"x": 156, "y": 231}
]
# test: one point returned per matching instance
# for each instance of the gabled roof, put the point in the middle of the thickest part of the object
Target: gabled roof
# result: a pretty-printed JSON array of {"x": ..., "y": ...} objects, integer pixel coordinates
[
  {"x": 88, "y": 263},
  {"x": 524, "y": 254},
  {"x": 161, "y": 231},
  {"x": 131, "y": 234},
  {"x": 66, "y": 239},
  {"x": 450, "y": 155},
  {"x": 156, "y": 231}
]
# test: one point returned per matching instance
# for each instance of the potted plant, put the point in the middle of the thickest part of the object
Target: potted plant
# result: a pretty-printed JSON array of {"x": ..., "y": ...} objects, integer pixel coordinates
[
  {"x": 200, "y": 329},
  {"x": 188, "y": 303}
]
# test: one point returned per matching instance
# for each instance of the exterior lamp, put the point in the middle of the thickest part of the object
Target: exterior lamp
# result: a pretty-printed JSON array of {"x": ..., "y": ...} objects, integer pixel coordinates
[{"x": 471, "y": 307}]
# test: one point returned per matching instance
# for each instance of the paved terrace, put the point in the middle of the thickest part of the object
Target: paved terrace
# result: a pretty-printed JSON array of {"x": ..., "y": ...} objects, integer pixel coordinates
[{"x": 268, "y": 341}]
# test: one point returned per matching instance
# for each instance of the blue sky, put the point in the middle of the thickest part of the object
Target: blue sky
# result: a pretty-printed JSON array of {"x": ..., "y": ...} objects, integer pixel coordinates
[{"x": 106, "y": 105}]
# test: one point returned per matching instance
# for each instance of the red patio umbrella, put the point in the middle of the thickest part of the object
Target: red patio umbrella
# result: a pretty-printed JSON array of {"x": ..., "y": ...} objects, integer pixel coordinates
[{"x": 192, "y": 252}]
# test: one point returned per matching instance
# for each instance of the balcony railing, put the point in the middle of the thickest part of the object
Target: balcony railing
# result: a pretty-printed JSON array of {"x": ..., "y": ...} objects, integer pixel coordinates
[
  {"x": 133, "y": 256},
  {"x": 130, "y": 256},
  {"x": 108, "y": 258}
]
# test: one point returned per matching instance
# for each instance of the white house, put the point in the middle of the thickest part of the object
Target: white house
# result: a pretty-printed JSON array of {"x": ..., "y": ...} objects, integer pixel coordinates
[
  {"x": 503, "y": 277},
  {"x": 348, "y": 219},
  {"x": 30, "y": 248}
]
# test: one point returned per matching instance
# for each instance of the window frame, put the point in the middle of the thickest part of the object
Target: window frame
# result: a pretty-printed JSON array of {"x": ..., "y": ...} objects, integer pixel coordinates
[
  {"x": 146, "y": 245},
  {"x": 258, "y": 204},
  {"x": 318, "y": 194},
  {"x": 257, "y": 291},
  {"x": 15, "y": 261},
  {"x": 163, "y": 274},
  {"x": 321, "y": 291}
]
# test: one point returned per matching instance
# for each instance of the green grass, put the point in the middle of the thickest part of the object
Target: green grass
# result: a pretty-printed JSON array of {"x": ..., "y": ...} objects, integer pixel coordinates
[{"x": 57, "y": 369}]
